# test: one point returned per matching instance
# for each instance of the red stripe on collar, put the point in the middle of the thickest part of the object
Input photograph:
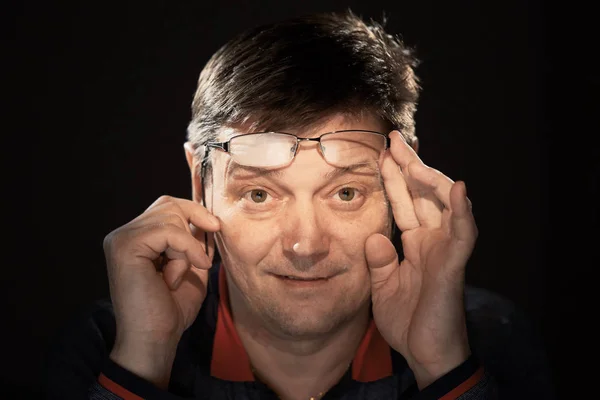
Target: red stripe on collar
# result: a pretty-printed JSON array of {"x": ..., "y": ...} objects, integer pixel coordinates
[
  {"x": 373, "y": 358},
  {"x": 229, "y": 359}
]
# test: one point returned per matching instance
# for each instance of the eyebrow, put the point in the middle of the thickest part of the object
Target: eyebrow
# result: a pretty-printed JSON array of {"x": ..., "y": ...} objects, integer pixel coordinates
[
  {"x": 361, "y": 169},
  {"x": 234, "y": 171}
]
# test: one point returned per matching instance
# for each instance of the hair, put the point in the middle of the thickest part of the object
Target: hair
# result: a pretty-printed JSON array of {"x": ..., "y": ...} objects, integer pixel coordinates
[{"x": 294, "y": 73}]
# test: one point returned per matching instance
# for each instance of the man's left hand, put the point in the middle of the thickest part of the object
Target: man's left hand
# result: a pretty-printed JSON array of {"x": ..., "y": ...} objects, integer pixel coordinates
[{"x": 418, "y": 303}]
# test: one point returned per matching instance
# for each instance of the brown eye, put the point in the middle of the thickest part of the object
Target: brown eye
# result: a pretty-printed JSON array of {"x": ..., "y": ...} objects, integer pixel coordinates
[
  {"x": 346, "y": 194},
  {"x": 258, "y": 196}
]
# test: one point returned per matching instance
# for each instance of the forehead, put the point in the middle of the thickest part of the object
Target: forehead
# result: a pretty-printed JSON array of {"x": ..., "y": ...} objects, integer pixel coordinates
[
  {"x": 311, "y": 172},
  {"x": 332, "y": 123}
]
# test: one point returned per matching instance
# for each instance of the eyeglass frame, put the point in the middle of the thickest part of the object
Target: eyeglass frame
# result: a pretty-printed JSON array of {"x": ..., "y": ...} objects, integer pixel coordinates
[{"x": 225, "y": 145}]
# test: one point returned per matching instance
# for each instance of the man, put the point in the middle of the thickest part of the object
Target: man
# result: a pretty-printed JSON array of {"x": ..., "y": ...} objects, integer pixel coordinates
[{"x": 280, "y": 278}]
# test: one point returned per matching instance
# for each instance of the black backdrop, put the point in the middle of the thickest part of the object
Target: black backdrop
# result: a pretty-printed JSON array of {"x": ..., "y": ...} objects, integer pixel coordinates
[{"x": 100, "y": 100}]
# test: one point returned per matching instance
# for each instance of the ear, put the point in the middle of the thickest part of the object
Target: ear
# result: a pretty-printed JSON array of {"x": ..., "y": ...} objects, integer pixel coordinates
[{"x": 195, "y": 168}]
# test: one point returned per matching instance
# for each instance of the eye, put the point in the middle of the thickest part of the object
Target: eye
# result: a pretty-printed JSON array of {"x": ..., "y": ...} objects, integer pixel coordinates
[
  {"x": 258, "y": 196},
  {"x": 347, "y": 194},
  {"x": 257, "y": 199}
]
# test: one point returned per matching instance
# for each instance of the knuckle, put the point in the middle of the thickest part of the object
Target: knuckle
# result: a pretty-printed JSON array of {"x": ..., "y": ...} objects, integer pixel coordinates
[
  {"x": 115, "y": 242},
  {"x": 114, "y": 245},
  {"x": 109, "y": 242},
  {"x": 165, "y": 198}
]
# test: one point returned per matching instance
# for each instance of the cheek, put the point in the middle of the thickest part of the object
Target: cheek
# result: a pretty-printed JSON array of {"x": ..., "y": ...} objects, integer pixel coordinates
[
  {"x": 353, "y": 230},
  {"x": 246, "y": 242},
  {"x": 350, "y": 236}
]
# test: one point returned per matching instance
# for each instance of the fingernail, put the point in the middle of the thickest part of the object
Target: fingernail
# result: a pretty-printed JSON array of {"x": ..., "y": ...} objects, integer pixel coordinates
[
  {"x": 400, "y": 136},
  {"x": 469, "y": 203}
]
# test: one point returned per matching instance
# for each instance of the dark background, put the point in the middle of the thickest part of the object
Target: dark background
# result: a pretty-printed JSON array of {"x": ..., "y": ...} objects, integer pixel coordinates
[{"x": 99, "y": 100}]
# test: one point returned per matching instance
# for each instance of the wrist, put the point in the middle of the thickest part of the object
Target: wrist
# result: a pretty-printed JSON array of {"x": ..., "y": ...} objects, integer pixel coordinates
[
  {"x": 426, "y": 374},
  {"x": 152, "y": 363}
]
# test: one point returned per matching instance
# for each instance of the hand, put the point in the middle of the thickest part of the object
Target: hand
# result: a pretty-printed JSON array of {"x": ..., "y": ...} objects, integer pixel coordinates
[
  {"x": 418, "y": 303},
  {"x": 155, "y": 298}
]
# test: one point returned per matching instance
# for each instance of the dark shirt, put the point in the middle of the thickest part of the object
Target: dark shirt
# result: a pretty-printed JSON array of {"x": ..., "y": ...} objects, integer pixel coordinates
[{"x": 507, "y": 360}]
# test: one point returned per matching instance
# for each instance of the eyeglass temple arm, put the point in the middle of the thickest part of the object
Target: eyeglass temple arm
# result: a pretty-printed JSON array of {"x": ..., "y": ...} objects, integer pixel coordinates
[
  {"x": 216, "y": 145},
  {"x": 202, "y": 175}
]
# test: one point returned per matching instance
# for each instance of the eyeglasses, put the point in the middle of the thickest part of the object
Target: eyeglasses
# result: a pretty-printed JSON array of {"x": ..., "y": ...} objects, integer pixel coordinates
[{"x": 278, "y": 149}]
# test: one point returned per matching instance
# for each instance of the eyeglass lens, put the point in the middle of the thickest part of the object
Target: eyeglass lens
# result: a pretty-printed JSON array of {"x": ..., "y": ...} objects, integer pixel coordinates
[{"x": 340, "y": 149}]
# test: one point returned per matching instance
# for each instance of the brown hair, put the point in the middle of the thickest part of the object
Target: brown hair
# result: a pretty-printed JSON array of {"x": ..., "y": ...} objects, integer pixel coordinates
[{"x": 292, "y": 74}]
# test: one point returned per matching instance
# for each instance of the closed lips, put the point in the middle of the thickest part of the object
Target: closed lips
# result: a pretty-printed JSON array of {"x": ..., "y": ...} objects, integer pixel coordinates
[{"x": 297, "y": 278}]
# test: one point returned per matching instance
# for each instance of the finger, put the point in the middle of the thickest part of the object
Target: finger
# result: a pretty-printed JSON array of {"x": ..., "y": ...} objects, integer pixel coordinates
[
  {"x": 191, "y": 290},
  {"x": 193, "y": 279},
  {"x": 382, "y": 259},
  {"x": 189, "y": 210},
  {"x": 162, "y": 215},
  {"x": 428, "y": 208},
  {"x": 462, "y": 226},
  {"x": 398, "y": 194},
  {"x": 439, "y": 183},
  {"x": 174, "y": 271},
  {"x": 155, "y": 239},
  {"x": 205, "y": 239},
  {"x": 199, "y": 215},
  {"x": 165, "y": 213},
  {"x": 402, "y": 153}
]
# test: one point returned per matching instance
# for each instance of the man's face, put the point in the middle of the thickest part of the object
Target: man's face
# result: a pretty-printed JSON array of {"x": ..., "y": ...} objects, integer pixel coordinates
[{"x": 307, "y": 221}]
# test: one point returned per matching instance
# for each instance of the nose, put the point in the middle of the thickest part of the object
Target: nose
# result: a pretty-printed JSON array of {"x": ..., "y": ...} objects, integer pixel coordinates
[{"x": 305, "y": 242}]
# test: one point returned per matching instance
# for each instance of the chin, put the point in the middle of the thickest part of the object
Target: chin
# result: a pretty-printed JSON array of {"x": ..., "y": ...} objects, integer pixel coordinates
[
  {"x": 311, "y": 320},
  {"x": 307, "y": 326}
]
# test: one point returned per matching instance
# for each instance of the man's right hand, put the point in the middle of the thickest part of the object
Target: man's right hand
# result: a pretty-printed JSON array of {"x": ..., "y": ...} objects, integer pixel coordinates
[{"x": 156, "y": 299}]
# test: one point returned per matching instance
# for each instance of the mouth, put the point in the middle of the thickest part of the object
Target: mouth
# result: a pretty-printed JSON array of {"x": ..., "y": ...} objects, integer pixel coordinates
[
  {"x": 297, "y": 278},
  {"x": 304, "y": 281}
]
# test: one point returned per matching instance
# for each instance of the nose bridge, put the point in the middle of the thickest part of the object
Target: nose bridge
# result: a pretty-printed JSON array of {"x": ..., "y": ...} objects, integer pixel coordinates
[
  {"x": 309, "y": 139},
  {"x": 316, "y": 140}
]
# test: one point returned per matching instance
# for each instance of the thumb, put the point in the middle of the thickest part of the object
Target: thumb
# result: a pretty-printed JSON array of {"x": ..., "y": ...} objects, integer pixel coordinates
[{"x": 382, "y": 259}]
